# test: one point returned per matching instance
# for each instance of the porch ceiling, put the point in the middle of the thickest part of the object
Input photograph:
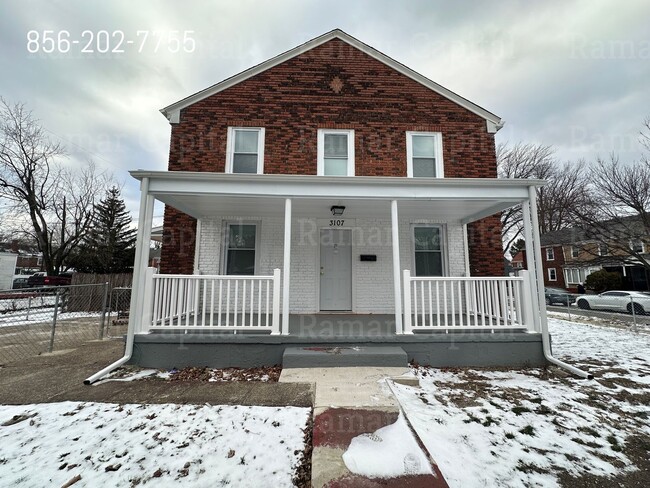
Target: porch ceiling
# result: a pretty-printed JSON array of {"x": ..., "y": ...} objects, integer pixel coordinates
[{"x": 204, "y": 194}]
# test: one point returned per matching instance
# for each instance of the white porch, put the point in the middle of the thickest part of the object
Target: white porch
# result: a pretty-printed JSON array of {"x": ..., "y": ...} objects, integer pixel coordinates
[{"x": 209, "y": 300}]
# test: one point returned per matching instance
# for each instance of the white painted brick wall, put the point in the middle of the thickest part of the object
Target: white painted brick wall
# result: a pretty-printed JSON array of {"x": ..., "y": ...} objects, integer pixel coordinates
[{"x": 372, "y": 281}]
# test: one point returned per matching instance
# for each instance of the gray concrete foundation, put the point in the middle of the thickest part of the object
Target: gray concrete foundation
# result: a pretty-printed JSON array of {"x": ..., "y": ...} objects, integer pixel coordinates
[{"x": 440, "y": 349}]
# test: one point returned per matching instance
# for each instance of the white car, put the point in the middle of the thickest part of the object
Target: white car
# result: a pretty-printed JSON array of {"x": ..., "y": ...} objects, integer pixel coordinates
[{"x": 617, "y": 300}]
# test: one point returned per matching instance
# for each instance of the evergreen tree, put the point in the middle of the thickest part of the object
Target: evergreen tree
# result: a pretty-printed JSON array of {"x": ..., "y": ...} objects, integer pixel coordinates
[{"x": 109, "y": 246}]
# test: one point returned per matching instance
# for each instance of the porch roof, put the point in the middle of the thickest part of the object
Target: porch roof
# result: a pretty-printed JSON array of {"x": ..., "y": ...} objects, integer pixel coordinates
[{"x": 201, "y": 194}]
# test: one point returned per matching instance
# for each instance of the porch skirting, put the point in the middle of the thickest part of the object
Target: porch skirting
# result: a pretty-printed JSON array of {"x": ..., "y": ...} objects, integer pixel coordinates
[{"x": 173, "y": 349}]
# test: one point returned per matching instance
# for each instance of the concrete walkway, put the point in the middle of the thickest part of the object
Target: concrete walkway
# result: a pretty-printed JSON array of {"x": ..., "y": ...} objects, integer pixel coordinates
[{"x": 348, "y": 402}]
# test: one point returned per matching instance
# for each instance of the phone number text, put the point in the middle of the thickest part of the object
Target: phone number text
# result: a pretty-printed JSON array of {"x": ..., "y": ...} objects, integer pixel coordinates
[{"x": 104, "y": 41}]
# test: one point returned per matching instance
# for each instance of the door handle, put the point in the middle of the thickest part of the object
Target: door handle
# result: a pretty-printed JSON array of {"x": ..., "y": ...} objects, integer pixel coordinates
[{"x": 321, "y": 271}]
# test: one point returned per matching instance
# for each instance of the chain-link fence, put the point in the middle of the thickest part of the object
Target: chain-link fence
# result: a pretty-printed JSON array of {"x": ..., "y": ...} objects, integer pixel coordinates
[
  {"x": 633, "y": 304},
  {"x": 119, "y": 304},
  {"x": 38, "y": 320}
]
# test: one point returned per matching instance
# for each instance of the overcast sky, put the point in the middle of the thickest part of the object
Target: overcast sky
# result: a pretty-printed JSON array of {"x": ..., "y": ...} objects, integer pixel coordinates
[{"x": 572, "y": 74}]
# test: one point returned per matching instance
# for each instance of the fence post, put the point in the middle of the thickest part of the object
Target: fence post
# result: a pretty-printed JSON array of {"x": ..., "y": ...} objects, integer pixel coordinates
[
  {"x": 275, "y": 320},
  {"x": 406, "y": 289},
  {"x": 56, "y": 312},
  {"x": 633, "y": 313},
  {"x": 102, "y": 322},
  {"x": 568, "y": 305},
  {"x": 29, "y": 307}
]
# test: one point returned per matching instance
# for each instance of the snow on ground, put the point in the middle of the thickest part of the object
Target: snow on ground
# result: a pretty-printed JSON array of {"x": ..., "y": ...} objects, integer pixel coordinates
[
  {"x": 388, "y": 452},
  {"x": 524, "y": 428},
  {"x": 150, "y": 445}
]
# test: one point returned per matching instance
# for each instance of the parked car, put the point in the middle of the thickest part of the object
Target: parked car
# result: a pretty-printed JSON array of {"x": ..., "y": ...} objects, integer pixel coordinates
[
  {"x": 616, "y": 300},
  {"x": 559, "y": 295},
  {"x": 20, "y": 282},
  {"x": 41, "y": 279}
]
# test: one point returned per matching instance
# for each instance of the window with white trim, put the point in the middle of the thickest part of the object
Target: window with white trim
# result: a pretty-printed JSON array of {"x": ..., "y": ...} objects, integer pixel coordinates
[
  {"x": 335, "y": 152},
  {"x": 575, "y": 252},
  {"x": 424, "y": 155},
  {"x": 637, "y": 246},
  {"x": 428, "y": 250},
  {"x": 245, "y": 150},
  {"x": 240, "y": 245},
  {"x": 552, "y": 274},
  {"x": 603, "y": 249},
  {"x": 550, "y": 254}
]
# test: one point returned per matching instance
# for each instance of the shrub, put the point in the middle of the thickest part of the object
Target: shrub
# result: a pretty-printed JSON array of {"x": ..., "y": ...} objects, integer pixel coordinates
[{"x": 602, "y": 280}]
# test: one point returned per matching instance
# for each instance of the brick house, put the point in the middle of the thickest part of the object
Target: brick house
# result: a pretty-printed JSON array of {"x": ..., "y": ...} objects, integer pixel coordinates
[
  {"x": 577, "y": 256},
  {"x": 331, "y": 195}
]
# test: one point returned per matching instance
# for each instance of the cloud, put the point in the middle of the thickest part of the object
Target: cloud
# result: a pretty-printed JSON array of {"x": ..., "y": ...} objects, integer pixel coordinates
[{"x": 569, "y": 74}]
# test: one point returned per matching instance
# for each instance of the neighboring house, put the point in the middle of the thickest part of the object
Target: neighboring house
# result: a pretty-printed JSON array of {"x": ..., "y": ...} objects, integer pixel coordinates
[
  {"x": 331, "y": 179},
  {"x": 7, "y": 269},
  {"x": 518, "y": 261},
  {"x": 577, "y": 256}
]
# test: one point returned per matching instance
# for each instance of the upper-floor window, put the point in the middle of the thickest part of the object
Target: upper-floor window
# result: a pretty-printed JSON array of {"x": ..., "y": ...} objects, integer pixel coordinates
[
  {"x": 245, "y": 150},
  {"x": 550, "y": 254},
  {"x": 603, "y": 250},
  {"x": 335, "y": 152},
  {"x": 637, "y": 246},
  {"x": 424, "y": 155},
  {"x": 552, "y": 274},
  {"x": 575, "y": 251}
]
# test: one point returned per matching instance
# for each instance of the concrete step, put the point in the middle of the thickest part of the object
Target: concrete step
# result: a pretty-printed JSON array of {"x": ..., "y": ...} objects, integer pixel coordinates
[{"x": 352, "y": 356}]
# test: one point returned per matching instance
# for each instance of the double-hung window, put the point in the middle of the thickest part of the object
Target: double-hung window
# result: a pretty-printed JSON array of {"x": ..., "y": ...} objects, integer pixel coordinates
[
  {"x": 424, "y": 155},
  {"x": 240, "y": 248},
  {"x": 550, "y": 254},
  {"x": 637, "y": 246},
  {"x": 575, "y": 252},
  {"x": 552, "y": 274},
  {"x": 427, "y": 246},
  {"x": 245, "y": 150},
  {"x": 335, "y": 152}
]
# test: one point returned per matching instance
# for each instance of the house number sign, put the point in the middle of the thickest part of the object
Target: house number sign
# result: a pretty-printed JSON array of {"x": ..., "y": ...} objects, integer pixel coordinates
[{"x": 337, "y": 222}]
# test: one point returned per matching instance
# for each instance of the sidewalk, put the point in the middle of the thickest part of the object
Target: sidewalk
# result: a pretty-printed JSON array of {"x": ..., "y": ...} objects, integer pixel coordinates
[{"x": 351, "y": 405}]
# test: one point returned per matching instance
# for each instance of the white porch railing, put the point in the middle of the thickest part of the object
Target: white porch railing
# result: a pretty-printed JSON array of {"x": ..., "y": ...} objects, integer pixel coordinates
[
  {"x": 215, "y": 302},
  {"x": 453, "y": 303}
]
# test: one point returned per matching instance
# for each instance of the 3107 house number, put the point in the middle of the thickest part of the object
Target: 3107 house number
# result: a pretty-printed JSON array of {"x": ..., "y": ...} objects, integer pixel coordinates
[{"x": 336, "y": 222}]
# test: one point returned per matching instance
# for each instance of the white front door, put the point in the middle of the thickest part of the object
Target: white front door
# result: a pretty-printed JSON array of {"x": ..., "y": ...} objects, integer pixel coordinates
[{"x": 335, "y": 269}]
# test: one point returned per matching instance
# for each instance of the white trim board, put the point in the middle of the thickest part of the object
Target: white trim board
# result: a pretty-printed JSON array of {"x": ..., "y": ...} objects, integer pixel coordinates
[{"x": 172, "y": 112}]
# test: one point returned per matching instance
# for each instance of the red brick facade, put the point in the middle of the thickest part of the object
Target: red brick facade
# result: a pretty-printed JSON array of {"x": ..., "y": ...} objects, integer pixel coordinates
[{"x": 331, "y": 86}]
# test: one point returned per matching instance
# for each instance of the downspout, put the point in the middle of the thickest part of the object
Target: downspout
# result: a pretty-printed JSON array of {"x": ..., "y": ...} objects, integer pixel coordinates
[
  {"x": 142, "y": 250},
  {"x": 539, "y": 272}
]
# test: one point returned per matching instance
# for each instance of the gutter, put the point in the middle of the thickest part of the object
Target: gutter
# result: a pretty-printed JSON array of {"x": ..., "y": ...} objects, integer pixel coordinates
[
  {"x": 539, "y": 272},
  {"x": 141, "y": 256}
]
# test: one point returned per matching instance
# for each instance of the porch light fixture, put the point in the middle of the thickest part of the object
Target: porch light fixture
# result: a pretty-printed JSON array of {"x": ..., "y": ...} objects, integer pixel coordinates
[{"x": 337, "y": 210}]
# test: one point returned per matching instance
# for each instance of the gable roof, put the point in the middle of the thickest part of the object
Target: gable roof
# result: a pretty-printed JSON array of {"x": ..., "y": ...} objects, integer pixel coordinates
[{"x": 172, "y": 112}]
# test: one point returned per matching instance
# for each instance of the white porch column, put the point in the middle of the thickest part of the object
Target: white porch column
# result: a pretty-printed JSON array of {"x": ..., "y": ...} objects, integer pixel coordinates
[
  {"x": 530, "y": 263},
  {"x": 141, "y": 261},
  {"x": 532, "y": 197},
  {"x": 396, "y": 267},
  {"x": 197, "y": 247},
  {"x": 286, "y": 271}
]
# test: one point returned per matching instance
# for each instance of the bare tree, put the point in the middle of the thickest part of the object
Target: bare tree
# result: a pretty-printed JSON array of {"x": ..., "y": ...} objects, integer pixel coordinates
[
  {"x": 55, "y": 201},
  {"x": 620, "y": 216},
  {"x": 566, "y": 187}
]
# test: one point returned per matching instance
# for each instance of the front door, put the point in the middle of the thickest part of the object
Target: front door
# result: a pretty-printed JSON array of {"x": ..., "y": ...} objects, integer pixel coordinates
[{"x": 335, "y": 269}]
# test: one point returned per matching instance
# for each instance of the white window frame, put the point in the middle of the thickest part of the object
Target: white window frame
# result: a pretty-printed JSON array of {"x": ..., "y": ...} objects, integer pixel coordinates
[
  {"x": 443, "y": 245},
  {"x": 320, "y": 165},
  {"x": 575, "y": 252},
  {"x": 230, "y": 148},
  {"x": 226, "y": 238},
  {"x": 550, "y": 256},
  {"x": 554, "y": 277},
  {"x": 600, "y": 250},
  {"x": 637, "y": 241},
  {"x": 440, "y": 173}
]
